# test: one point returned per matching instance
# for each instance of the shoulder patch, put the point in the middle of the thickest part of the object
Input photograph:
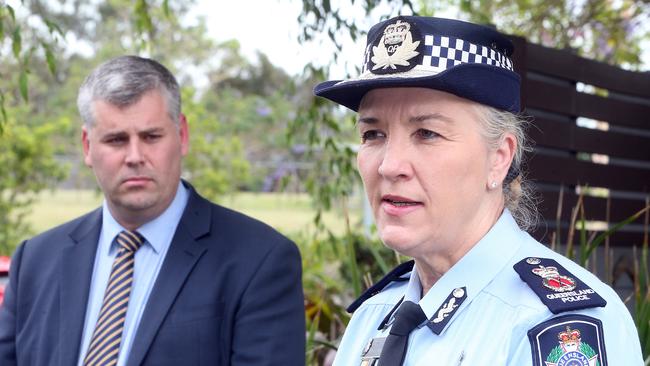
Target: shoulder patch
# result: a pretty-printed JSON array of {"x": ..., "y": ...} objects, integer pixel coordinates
[
  {"x": 568, "y": 340},
  {"x": 393, "y": 276},
  {"x": 558, "y": 289}
]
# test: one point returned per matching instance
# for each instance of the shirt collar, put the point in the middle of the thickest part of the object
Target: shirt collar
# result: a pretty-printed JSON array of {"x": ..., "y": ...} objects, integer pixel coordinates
[
  {"x": 155, "y": 231},
  {"x": 474, "y": 271}
]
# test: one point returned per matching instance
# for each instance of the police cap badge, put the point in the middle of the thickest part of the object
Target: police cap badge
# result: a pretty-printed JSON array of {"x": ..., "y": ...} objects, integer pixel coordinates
[{"x": 465, "y": 59}]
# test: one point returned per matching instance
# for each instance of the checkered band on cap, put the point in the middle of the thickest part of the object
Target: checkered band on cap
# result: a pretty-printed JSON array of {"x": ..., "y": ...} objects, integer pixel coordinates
[{"x": 442, "y": 53}]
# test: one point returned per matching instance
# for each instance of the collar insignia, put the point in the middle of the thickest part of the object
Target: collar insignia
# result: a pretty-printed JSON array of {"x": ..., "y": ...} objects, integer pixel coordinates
[
  {"x": 556, "y": 287},
  {"x": 568, "y": 340},
  {"x": 395, "y": 49},
  {"x": 446, "y": 311}
]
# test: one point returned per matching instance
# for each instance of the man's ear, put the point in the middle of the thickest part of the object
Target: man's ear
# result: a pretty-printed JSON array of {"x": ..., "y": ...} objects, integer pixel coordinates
[
  {"x": 85, "y": 142},
  {"x": 185, "y": 134}
]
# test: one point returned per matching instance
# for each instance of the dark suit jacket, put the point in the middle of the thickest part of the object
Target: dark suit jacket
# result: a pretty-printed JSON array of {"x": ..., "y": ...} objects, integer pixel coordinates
[{"x": 229, "y": 293}]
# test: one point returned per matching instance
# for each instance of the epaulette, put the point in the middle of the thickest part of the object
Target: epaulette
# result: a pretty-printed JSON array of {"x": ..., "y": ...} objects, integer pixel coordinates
[
  {"x": 393, "y": 276},
  {"x": 558, "y": 289}
]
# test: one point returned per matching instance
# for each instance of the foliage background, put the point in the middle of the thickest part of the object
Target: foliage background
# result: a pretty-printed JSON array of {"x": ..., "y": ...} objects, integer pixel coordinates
[{"x": 254, "y": 127}]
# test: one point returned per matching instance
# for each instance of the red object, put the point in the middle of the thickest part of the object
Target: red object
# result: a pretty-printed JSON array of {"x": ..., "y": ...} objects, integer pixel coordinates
[{"x": 4, "y": 275}]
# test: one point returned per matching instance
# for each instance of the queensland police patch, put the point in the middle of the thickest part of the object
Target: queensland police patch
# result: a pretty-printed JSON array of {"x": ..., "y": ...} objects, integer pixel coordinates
[
  {"x": 568, "y": 340},
  {"x": 558, "y": 289}
]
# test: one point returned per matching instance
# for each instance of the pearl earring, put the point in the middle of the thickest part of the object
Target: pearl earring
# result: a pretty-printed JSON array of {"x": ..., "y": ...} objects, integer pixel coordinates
[{"x": 493, "y": 185}]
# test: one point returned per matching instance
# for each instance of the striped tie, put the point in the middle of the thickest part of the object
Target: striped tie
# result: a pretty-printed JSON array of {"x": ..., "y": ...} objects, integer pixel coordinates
[{"x": 105, "y": 343}]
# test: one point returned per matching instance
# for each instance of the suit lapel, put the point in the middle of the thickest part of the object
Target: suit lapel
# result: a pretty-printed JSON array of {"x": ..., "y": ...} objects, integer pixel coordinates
[
  {"x": 182, "y": 256},
  {"x": 76, "y": 267}
]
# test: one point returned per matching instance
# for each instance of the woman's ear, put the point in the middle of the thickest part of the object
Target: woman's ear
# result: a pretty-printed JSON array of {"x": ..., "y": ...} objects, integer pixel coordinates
[{"x": 502, "y": 158}]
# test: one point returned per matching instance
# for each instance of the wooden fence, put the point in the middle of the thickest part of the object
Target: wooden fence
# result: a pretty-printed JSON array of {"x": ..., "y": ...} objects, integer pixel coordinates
[{"x": 591, "y": 128}]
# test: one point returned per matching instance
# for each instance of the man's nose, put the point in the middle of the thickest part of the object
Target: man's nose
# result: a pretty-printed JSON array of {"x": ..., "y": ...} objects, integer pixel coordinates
[{"x": 134, "y": 153}]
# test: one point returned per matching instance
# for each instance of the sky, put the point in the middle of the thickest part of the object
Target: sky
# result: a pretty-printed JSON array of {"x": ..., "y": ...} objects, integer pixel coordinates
[
  {"x": 276, "y": 29},
  {"x": 268, "y": 26},
  {"x": 271, "y": 26},
  {"x": 275, "y": 33}
]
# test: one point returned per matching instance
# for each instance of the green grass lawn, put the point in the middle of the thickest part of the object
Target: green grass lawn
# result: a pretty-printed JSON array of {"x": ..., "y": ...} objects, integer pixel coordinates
[{"x": 288, "y": 213}]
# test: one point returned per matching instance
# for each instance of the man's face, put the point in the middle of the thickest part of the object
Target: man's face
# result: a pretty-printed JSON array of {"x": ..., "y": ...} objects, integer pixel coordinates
[{"x": 135, "y": 153}]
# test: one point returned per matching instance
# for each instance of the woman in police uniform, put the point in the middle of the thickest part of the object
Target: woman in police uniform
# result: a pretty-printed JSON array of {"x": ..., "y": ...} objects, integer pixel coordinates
[{"x": 440, "y": 157}]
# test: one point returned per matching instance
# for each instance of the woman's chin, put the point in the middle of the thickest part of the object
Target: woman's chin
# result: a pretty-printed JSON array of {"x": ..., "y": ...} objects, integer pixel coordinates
[{"x": 400, "y": 240}]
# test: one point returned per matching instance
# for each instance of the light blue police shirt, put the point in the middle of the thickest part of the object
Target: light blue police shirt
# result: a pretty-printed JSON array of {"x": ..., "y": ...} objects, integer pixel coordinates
[
  {"x": 148, "y": 261},
  {"x": 490, "y": 326}
]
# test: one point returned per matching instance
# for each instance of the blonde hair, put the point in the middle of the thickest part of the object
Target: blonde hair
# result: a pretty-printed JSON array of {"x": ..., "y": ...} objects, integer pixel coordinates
[{"x": 519, "y": 197}]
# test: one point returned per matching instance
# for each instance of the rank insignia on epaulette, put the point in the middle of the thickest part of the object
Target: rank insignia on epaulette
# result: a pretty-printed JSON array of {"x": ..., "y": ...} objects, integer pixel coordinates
[
  {"x": 558, "y": 289},
  {"x": 574, "y": 339},
  {"x": 447, "y": 310}
]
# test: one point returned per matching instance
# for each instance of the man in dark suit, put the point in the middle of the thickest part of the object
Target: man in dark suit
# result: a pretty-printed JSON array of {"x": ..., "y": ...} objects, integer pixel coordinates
[{"x": 158, "y": 275}]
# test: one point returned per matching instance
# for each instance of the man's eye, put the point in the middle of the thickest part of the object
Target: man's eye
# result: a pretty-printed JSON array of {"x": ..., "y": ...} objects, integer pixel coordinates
[
  {"x": 426, "y": 134},
  {"x": 152, "y": 137},
  {"x": 371, "y": 135},
  {"x": 115, "y": 140}
]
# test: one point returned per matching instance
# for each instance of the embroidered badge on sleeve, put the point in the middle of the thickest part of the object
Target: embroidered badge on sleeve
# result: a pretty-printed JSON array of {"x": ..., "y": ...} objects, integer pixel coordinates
[
  {"x": 568, "y": 340},
  {"x": 558, "y": 289}
]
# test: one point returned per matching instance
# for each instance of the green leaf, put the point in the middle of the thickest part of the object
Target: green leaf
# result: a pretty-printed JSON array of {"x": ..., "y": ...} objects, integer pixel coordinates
[
  {"x": 378, "y": 258},
  {"x": 353, "y": 267},
  {"x": 142, "y": 16},
  {"x": 166, "y": 10},
  {"x": 53, "y": 27},
  {"x": 17, "y": 42},
  {"x": 23, "y": 85},
  {"x": 600, "y": 238},
  {"x": 51, "y": 60},
  {"x": 12, "y": 13},
  {"x": 3, "y": 113}
]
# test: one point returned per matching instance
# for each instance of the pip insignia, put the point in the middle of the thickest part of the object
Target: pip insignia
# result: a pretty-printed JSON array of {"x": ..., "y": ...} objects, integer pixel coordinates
[{"x": 533, "y": 260}]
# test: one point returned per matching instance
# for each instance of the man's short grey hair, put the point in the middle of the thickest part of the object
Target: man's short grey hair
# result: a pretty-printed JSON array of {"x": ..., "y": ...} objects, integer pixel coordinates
[{"x": 122, "y": 81}]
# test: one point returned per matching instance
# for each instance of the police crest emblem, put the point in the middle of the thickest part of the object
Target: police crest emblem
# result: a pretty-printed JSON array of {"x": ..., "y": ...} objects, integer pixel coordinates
[
  {"x": 552, "y": 279},
  {"x": 395, "y": 50},
  {"x": 571, "y": 340}
]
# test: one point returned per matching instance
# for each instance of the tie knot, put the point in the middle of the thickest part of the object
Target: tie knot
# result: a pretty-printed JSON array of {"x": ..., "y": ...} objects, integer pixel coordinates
[
  {"x": 408, "y": 317},
  {"x": 129, "y": 240}
]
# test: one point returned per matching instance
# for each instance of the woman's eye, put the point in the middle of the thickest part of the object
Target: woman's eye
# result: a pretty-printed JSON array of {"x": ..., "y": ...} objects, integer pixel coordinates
[
  {"x": 426, "y": 134},
  {"x": 370, "y": 135}
]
